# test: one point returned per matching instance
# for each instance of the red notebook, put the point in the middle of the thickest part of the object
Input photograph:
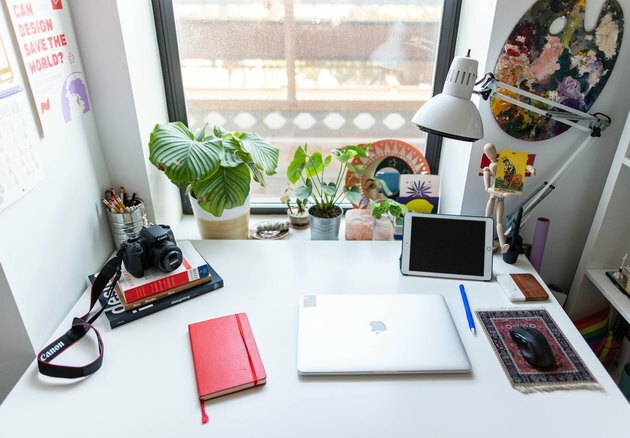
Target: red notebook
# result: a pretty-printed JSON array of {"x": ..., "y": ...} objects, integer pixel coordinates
[{"x": 225, "y": 356}]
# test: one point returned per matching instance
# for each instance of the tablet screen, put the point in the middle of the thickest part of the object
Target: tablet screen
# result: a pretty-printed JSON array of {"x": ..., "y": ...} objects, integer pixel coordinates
[{"x": 448, "y": 246}]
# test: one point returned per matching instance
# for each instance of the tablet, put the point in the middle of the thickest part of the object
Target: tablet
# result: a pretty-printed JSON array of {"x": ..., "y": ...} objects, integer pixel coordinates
[{"x": 436, "y": 245}]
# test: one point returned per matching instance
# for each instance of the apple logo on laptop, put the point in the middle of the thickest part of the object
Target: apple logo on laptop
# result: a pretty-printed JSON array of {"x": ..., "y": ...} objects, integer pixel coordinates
[{"x": 378, "y": 326}]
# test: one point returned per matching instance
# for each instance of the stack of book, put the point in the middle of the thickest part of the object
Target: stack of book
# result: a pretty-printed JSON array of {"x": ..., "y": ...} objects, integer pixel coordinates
[{"x": 132, "y": 298}]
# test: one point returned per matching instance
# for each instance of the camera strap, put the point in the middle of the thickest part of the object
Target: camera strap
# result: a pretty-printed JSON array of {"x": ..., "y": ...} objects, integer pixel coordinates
[{"x": 80, "y": 327}]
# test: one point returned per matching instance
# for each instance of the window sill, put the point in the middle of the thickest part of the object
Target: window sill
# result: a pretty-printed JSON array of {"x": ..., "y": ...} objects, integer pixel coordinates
[{"x": 186, "y": 228}]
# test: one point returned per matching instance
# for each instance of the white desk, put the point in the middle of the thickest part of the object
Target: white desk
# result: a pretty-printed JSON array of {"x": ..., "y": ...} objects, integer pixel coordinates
[{"x": 147, "y": 385}]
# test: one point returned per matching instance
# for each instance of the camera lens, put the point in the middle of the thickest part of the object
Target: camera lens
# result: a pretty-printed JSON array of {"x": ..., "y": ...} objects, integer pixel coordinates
[{"x": 166, "y": 257}]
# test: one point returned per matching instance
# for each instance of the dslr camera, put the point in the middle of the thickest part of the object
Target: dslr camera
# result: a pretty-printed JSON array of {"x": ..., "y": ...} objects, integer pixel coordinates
[{"x": 154, "y": 247}]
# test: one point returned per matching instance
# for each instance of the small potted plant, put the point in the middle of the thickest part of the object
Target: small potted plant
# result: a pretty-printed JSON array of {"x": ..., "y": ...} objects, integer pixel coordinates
[
  {"x": 375, "y": 222},
  {"x": 385, "y": 214},
  {"x": 217, "y": 169},
  {"x": 308, "y": 169},
  {"x": 298, "y": 214}
]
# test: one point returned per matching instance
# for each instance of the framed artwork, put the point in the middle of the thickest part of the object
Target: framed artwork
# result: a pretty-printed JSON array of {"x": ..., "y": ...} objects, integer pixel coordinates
[{"x": 550, "y": 53}]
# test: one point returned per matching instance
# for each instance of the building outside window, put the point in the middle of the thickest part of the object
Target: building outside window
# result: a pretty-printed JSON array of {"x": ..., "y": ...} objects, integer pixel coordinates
[{"x": 322, "y": 72}]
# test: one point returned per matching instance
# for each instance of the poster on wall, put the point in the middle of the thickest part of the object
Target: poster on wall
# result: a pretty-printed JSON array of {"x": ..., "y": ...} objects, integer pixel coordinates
[
  {"x": 44, "y": 33},
  {"x": 20, "y": 168}
]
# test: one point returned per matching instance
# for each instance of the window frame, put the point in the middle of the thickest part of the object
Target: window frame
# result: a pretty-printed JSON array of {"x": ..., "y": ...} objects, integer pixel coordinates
[{"x": 166, "y": 33}]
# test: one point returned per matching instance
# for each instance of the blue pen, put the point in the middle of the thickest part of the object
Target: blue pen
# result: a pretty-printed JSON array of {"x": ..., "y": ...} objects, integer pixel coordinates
[{"x": 471, "y": 322}]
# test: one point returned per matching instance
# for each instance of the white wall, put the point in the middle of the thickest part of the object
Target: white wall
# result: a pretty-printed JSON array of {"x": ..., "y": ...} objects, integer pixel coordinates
[
  {"x": 572, "y": 205},
  {"x": 60, "y": 228},
  {"x": 121, "y": 56},
  {"x": 57, "y": 234}
]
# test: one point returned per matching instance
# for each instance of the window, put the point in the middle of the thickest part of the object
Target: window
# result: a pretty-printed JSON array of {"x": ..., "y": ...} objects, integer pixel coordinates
[{"x": 323, "y": 72}]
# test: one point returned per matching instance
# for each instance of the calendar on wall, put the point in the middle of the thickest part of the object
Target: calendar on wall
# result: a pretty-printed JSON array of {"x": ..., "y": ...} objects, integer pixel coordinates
[{"x": 20, "y": 166}]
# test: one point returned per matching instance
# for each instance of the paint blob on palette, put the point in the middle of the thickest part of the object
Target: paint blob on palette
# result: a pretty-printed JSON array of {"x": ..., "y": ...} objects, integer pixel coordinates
[{"x": 550, "y": 53}]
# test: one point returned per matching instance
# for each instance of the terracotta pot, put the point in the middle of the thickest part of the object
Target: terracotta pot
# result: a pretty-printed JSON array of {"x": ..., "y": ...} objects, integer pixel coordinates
[{"x": 232, "y": 224}]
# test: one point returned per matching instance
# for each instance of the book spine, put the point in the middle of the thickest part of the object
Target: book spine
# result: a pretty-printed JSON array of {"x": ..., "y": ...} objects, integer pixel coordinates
[
  {"x": 165, "y": 283},
  {"x": 163, "y": 294},
  {"x": 117, "y": 316}
]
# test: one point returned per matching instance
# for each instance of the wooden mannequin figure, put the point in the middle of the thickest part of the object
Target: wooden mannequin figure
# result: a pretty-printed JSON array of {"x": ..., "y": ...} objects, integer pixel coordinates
[{"x": 497, "y": 198}]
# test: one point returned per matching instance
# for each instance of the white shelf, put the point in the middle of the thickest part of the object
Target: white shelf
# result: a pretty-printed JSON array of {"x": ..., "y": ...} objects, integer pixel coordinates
[
  {"x": 620, "y": 301},
  {"x": 626, "y": 161}
]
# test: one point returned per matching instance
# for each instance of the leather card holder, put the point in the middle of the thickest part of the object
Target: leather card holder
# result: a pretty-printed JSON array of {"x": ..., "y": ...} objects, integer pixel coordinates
[{"x": 530, "y": 287}]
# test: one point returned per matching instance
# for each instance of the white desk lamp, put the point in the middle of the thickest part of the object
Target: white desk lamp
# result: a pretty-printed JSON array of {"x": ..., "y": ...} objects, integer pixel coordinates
[{"x": 451, "y": 114}]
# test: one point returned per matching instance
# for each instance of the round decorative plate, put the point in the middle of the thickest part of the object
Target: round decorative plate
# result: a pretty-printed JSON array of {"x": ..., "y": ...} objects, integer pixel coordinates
[
  {"x": 269, "y": 230},
  {"x": 387, "y": 155}
]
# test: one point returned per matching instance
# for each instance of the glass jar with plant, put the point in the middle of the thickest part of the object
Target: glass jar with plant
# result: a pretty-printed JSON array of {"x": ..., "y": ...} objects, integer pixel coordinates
[
  {"x": 376, "y": 222},
  {"x": 217, "y": 170},
  {"x": 385, "y": 214},
  {"x": 307, "y": 172},
  {"x": 389, "y": 208}
]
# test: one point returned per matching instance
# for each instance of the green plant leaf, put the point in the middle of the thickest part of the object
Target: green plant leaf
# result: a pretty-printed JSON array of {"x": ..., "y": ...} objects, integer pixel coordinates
[
  {"x": 361, "y": 151},
  {"x": 227, "y": 188},
  {"x": 344, "y": 155},
  {"x": 233, "y": 155},
  {"x": 264, "y": 154},
  {"x": 390, "y": 206},
  {"x": 257, "y": 174},
  {"x": 173, "y": 149},
  {"x": 296, "y": 166},
  {"x": 201, "y": 134},
  {"x": 397, "y": 210},
  {"x": 356, "y": 168},
  {"x": 220, "y": 132},
  {"x": 303, "y": 192},
  {"x": 327, "y": 161},
  {"x": 353, "y": 194},
  {"x": 329, "y": 188},
  {"x": 314, "y": 165}
]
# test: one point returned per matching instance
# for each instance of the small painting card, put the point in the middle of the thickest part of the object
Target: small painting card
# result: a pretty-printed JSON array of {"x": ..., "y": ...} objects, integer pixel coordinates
[
  {"x": 511, "y": 172},
  {"x": 420, "y": 193}
]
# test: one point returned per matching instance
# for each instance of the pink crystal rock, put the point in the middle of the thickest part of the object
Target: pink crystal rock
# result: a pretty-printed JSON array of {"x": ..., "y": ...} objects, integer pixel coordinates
[{"x": 359, "y": 224}]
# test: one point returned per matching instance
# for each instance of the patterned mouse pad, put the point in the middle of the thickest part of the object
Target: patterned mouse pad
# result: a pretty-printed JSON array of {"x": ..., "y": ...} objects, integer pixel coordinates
[{"x": 569, "y": 371}]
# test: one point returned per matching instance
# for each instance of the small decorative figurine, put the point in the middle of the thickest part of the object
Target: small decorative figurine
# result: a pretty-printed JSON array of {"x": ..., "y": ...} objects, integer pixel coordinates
[
  {"x": 620, "y": 273},
  {"x": 497, "y": 195}
]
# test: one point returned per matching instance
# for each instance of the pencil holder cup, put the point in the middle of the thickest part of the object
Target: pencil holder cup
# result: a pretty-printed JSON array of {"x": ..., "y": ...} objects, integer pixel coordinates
[{"x": 126, "y": 225}]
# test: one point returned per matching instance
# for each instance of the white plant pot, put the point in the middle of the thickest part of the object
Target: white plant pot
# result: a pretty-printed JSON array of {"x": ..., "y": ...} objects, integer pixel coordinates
[{"x": 232, "y": 224}]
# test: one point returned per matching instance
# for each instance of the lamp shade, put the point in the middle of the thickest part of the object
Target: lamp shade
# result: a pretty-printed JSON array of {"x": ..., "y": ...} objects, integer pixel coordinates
[{"x": 451, "y": 113}]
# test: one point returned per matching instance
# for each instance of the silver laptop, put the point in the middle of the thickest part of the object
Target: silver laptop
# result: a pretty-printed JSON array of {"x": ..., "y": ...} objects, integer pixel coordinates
[{"x": 378, "y": 334}]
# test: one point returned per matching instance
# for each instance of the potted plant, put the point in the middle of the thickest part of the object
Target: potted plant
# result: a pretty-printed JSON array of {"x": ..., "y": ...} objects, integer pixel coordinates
[
  {"x": 308, "y": 169},
  {"x": 375, "y": 222},
  {"x": 217, "y": 169},
  {"x": 385, "y": 214},
  {"x": 298, "y": 213}
]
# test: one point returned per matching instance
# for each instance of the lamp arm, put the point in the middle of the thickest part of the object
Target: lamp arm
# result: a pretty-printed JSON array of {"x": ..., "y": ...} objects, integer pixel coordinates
[
  {"x": 564, "y": 114},
  {"x": 529, "y": 203}
]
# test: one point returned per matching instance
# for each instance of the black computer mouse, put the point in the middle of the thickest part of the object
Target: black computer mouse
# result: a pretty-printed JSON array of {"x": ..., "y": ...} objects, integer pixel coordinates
[{"x": 534, "y": 346}]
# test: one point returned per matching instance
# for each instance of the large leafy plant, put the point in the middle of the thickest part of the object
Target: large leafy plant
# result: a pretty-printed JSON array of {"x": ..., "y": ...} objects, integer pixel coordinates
[
  {"x": 308, "y": 170},
  {"x": 217, "y": 167}
]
